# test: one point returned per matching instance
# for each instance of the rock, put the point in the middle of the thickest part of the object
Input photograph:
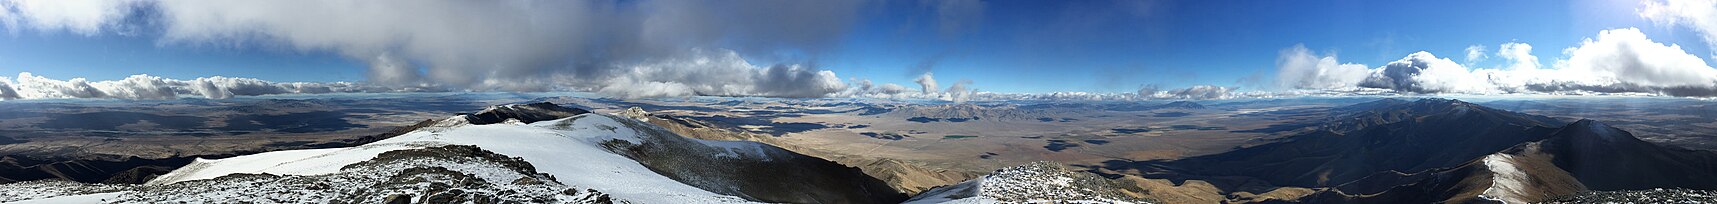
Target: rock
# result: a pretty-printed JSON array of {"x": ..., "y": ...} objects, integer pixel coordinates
[
  {"x": 636, "y": 114},
  {"x": 398, "y": 199},
  {"x": 526, "y": 181}
]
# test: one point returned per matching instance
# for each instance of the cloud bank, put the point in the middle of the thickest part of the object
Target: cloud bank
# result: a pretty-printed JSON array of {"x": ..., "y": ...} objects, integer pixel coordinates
[
  {"x": 652, "y": 47},
  {"x": 959, "y": 92},
  {"x": 1299, "y": 67},
  {"x": 721, "y": 73},
  {"x": 1617, "y": 61},
  {"x": 146, "y": 87}
]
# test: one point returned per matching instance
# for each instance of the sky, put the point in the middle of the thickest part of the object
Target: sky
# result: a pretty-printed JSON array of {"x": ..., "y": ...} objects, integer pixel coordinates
[{"x": 976, "y": 49}]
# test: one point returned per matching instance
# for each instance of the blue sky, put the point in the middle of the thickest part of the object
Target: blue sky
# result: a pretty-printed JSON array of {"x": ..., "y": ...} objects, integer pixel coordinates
[{"x": 1013, "y": 46}]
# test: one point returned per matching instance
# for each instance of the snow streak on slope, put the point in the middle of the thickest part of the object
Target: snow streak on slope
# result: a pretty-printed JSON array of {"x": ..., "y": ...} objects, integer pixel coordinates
[{"x": 1507, "y": 181}]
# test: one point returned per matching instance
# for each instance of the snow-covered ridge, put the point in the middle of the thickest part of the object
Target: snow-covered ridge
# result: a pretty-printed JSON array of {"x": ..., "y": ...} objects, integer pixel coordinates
[
  {"x": 570, "y": 150},
  {"x": 550, "y": 145}
]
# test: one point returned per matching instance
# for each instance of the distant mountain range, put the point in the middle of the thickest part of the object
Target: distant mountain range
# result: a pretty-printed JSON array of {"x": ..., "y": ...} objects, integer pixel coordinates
[{"x": 1438, "y": 150}]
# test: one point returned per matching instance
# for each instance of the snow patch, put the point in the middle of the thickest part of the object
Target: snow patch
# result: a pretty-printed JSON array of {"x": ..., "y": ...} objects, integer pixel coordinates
[{"x": 1507, "y": 181}]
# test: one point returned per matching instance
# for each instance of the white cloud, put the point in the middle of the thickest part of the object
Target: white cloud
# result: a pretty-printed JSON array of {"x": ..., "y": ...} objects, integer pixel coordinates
[
  {"x": 1298, "y": 67},
  {"x": 1201, "y": 92},
  {"x": 32, "y": 86},
  {"x": 958, "y": 93},
  {"x": 1699, "y": 15},
  {"x": 720, "y": 73},
  {"x": 927, "y": 83},
  {"x": 1627, "y": 56},
  {"x": 1615, "y": 61},
  {"x": 892, "y": 89},
  {"x": 225, "y": 87},
  {"x": 146, "y": 87},
  {"x": 1422, "y": 72},
  {"x": 138, "y": 87},
  {"x": 1519, "y": 56},
  {"x": 864, "y": 84},
  {"x": 82, "y": 17},
  {"x": 6, "y": 91},
  {"x": 1475, "y": 53},
  {"x": 1146, "y": 90}
]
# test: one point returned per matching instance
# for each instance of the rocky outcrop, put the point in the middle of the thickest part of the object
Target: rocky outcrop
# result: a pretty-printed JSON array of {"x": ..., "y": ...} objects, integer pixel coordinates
[
  {"x": 458, "y": 174},
  {"x": 1040, "y": 182}
]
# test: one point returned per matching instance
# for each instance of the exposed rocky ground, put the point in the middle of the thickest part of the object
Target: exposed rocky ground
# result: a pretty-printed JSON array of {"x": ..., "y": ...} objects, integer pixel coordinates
[
  {"x": 1041, "y": 182},
  {"x": 1655, "y": 195},
  {"x": 445, "y": 174}
]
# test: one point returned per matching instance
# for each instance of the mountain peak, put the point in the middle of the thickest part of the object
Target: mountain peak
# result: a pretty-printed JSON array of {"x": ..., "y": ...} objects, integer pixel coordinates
[
  {"x": 527, "y": 113},
  {"x": 1606, "y": 158},
  {"x": 1596, "y": 133}
]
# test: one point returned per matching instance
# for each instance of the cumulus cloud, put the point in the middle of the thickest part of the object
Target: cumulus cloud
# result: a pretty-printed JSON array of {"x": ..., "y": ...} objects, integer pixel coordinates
[
  {"x": 958, "y": 93},
  {"x": 1519, "y": 56},
  {"x": 146, "y": 87},
  {"x": 890, "y": 91},
  {"x": 1626, "y": 55},
  {"x": 1422, "y": 72},
  {"x": 926, "y": 83},
  {"x": 1475, "y": 53},
  {"x": 1146, "y": 90},
  {"x": 1615, "y": 61},
  {"x": 1298, "y": 67},
  {"x": 6, "y": 91},
  {"x": 82, "y": 17},
  {"x": 721, "y": 73},
  {"x": 227, "y": 87},
  {"x": 1201, "y": 92},
  {"x": 1699, "y": 15},
  {"x": 1197, "y": 92}
]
